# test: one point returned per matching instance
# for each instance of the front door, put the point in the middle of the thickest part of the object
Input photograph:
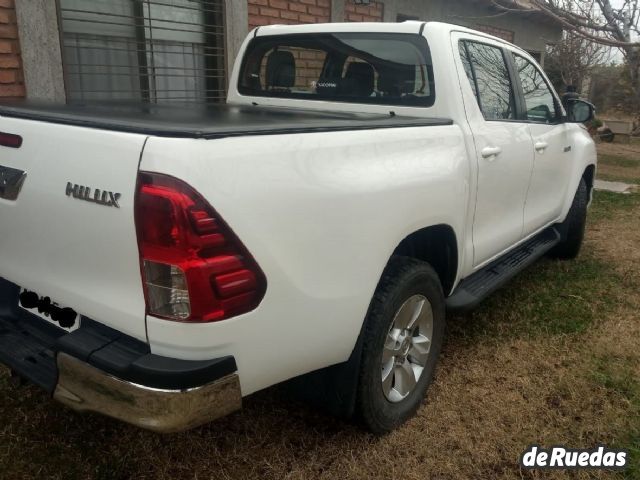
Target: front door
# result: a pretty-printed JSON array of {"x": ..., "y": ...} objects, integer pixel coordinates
[{"x": 551, "y": 144}]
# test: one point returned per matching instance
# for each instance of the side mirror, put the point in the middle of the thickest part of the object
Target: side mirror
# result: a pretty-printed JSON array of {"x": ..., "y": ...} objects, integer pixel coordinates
[{"x": 579, "y": 111}]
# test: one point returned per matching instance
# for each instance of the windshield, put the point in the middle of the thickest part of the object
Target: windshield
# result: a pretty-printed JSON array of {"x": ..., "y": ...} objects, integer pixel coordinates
[{"x": 377, "y": 68}]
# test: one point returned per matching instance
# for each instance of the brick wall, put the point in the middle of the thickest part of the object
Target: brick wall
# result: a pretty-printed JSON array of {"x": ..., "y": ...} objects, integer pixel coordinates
[
  {"x": 507, "y": 35},
  {"x": 363, "y": 13},
  {"x": 11, "y": 78},
  {"x": 309, "y": 65},
  {"x": 268, "y": 12}
]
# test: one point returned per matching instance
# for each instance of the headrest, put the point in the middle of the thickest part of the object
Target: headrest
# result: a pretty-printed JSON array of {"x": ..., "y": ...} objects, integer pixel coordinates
[
  {"x": 359, "y": 80},
  {"x": 397, "y": 80},
  {"x": 281, "y": 69}
]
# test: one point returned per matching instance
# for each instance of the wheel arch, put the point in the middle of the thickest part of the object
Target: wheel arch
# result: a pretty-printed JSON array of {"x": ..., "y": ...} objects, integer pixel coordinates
[
  {"x": 589, "y": 177},
  {"x": 438, "y": 246},
  {"x": 334, "y": 387}
]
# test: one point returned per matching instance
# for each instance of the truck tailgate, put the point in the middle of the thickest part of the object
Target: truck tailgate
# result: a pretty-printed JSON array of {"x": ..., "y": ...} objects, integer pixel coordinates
[{"x": 58, "y": 243}]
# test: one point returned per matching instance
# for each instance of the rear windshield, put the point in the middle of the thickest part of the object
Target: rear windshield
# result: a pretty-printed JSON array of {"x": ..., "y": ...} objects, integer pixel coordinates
[{"x": 381, "y": 68}]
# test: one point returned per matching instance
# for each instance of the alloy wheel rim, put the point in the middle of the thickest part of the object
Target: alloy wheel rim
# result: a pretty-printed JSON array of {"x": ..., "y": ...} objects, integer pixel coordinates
[{"x": 406, "y": 348}]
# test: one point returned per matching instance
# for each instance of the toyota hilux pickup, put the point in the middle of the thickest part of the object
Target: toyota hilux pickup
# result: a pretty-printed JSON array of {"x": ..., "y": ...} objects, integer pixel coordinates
[{"x": 159, "y": 263}]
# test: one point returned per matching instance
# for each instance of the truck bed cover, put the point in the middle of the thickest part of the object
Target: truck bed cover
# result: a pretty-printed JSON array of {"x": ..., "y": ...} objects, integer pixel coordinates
[{"x": 205, "y": 121}]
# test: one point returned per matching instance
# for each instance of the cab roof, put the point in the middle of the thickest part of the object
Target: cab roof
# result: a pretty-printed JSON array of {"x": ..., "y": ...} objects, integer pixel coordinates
[{"x": 409, "y": 26}]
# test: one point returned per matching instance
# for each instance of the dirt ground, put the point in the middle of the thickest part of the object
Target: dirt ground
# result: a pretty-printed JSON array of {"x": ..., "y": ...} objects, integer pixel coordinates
[
  {"x": 553, "y": 358},
  {"x": 619, "y": 162},
  {"x": 621, "y": 149}
]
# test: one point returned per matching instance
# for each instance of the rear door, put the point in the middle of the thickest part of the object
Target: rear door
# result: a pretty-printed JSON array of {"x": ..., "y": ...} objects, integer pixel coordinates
[
  {"x": 69, "y": 233},
  {"x": 552, "y": 164},
  {"x": 503, "y": 146}
]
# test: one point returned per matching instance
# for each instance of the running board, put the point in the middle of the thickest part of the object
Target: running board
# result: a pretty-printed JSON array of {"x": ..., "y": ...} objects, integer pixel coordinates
[{"x": 475, "y": 288}]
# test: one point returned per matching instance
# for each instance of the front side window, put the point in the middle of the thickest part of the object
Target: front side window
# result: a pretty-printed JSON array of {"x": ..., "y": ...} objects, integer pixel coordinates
[
  {"x": 487, "y": 71},
  {"x": 539, "y": 100},
  {"x": 385, "y": 69}
]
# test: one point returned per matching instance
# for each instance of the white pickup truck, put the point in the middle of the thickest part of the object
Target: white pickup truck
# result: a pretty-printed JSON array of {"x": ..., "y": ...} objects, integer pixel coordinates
[{"x": 158, "y": 263}]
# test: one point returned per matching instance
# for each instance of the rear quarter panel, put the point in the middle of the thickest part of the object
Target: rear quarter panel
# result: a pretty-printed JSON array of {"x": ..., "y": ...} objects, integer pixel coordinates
[{"x": 321, "y": 213}]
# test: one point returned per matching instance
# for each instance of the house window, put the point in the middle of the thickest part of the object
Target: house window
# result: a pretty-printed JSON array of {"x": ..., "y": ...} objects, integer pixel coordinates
[
  {"x": 145, "y": 50},
  {"x": 536, "y": 55}
]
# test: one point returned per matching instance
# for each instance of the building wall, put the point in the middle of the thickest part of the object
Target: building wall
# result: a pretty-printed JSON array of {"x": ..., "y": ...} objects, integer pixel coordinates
[
  {"x": 508, "y": 35},
  {"x": 527, "y": 31},
  {"x": 269, "y": 12},
  {"x": 374, "y": 12},
  {"x": 41, "y": 55},
  {"x": 40, "y": 39},
  {"x": 236, "y": 29},
  {"x": 11, "y": 77}
]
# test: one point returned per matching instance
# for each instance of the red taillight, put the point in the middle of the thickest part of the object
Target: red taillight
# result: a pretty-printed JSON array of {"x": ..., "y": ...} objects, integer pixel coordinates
[
  {"x": 10, "y": 140},
  {"x": 194, "y": 268}
]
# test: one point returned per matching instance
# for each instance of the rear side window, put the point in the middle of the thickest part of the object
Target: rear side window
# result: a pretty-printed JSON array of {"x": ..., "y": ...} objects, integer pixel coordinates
[
  {"x": 539, "y": 101},
  {"x": 468, "y": 69},
  {"x": 488, "y": 73},
  {"x": 385, "y": 69}
]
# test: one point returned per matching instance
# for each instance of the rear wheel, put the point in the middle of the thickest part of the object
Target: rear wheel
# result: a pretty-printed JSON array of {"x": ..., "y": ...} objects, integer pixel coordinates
[
  {"x": 574, "y": 225},
  {"x": 402, "y": 340}
]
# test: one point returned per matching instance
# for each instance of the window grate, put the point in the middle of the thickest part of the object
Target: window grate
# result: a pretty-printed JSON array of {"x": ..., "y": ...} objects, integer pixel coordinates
[{"x": 143, "y": 50}]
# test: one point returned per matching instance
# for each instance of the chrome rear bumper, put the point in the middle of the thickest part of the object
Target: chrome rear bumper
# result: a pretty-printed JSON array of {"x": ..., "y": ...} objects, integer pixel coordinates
[
  {"x": 96, "y": 368},
  {"x": 86, "y": 388}
]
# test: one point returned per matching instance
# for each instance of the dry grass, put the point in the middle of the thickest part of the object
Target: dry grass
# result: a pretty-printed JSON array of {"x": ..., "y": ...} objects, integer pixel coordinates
[
  {"x": 554, "y": 358},
  {"x": 619, "y": 162},
  {"x": 620, "y": 149}
]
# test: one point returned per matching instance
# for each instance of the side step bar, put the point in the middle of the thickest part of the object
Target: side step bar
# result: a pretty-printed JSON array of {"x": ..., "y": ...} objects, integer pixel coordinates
[{"x": 475, "y": 288}]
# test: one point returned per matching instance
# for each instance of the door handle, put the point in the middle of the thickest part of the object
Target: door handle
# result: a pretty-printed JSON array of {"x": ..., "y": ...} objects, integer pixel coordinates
[
  {"x": 541, "y": 146},
  {"x": 490, "y": 153}
]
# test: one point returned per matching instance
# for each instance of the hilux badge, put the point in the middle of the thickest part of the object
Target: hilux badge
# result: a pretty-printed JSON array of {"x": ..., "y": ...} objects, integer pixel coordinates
[{"x": 88, "y": 194}]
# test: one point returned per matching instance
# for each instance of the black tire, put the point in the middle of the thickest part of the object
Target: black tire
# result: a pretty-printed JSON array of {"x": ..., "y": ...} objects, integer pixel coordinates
[
  {"x": 573, "y": 227},
  {"x": 403, "y": 278}
]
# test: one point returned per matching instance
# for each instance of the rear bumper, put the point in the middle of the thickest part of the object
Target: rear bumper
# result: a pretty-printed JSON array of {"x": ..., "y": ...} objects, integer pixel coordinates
[
  {"x": 86, "y": 388},
  {"x": 98, "y": 369}
]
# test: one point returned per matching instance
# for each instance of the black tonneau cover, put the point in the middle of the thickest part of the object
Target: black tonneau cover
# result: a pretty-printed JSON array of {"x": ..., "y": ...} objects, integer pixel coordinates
[{"x": 205, "y": 121}]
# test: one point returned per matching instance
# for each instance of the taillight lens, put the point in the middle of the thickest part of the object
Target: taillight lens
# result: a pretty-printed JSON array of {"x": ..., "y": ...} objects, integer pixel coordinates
[{"x": 194, "y": 268}]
